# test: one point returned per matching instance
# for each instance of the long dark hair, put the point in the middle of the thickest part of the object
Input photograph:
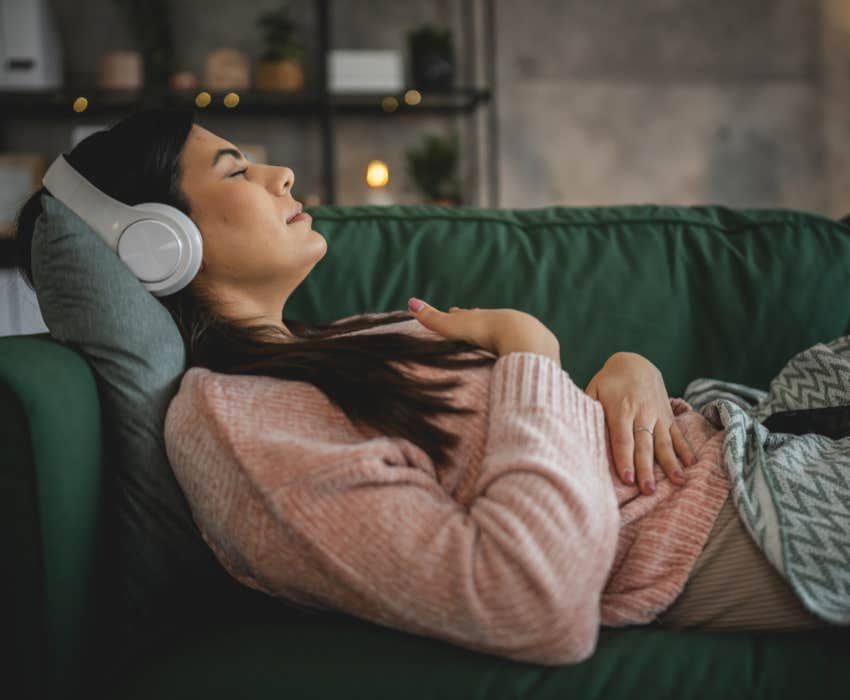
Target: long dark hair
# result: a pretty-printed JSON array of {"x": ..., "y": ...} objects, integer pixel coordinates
[{"x": 137, "y": 160}]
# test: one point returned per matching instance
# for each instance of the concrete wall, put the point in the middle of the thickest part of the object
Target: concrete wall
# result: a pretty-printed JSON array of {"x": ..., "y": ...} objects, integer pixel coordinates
[{"x": 743, "y": 103}]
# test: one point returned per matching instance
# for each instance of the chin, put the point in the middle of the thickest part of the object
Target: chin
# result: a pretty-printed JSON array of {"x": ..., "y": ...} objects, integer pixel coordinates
[{"x": 323, "y": 244}]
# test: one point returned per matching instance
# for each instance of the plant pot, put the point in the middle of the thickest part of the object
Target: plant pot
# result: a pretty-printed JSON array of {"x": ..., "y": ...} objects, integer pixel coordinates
[
  {"x": 183, "y": 80},
  {"x": 226, "y": 69},
  {"x": 279, "y": 76},
  {"x": 121, "y": 70},
  {"x": 432, "y": 70}
]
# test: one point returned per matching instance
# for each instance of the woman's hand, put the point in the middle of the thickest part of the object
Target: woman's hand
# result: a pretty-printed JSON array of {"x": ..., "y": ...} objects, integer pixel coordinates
[
  {"x": 500, "y": 331},
  {"x": 632, "y": 392}
]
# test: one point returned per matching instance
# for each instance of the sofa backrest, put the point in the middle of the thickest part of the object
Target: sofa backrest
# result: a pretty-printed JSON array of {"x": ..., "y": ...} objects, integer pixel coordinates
[{"x": 700, "y": 291}]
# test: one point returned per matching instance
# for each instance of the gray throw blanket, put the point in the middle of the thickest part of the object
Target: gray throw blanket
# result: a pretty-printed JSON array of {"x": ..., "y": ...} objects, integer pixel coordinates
[{"x": 791, "y": 491}]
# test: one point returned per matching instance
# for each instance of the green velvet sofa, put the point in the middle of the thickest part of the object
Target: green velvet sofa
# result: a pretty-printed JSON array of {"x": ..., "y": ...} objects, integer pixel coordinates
[{"x": 702, "y": 291}]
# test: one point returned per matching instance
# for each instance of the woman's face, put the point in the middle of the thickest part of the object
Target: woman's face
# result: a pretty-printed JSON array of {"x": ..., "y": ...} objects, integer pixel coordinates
[{"x": 252, "y": 258}]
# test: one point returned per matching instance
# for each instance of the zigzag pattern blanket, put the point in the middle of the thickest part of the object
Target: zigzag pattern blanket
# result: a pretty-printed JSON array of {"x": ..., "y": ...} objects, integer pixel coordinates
[{"x": 791, "y": 491}]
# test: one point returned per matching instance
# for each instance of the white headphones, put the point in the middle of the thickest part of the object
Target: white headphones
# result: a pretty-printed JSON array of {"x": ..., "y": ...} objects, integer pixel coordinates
[{"x": 159, "y": 243}]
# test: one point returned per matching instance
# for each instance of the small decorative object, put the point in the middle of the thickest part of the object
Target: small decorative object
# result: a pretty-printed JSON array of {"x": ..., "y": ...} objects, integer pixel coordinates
[
  {"x": 20, "y": 176},
  {"x": 121, "y": 70},
  {"x": 150, "y": 22},
  {"x": 183, "y": 80},
  {"x": 377, "y": 178},
  {"x": 365, "y": 71},
  {"x": 226, "y": 69},
  {"x": 432, "y": 57},
  {"x": 432, "y": 170},
  {"x": 279, "y": 67}
]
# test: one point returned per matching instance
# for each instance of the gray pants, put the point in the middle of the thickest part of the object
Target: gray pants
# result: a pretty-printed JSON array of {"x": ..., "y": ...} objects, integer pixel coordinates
[{"x": 734, "y": 587}]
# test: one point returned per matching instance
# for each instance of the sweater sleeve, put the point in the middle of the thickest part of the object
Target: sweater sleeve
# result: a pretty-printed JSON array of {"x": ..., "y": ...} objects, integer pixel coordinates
[{"x": 366, "y": 528}]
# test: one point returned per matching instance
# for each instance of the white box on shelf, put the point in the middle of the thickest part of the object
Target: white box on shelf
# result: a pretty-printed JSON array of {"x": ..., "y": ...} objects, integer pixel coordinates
[
  {"x": 365, "y": 71},
  {"x": 30, "y": 49}
]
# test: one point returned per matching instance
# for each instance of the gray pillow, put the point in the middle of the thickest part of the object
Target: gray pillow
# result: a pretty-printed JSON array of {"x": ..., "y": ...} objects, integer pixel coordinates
[{"x": 157, "y": 563}]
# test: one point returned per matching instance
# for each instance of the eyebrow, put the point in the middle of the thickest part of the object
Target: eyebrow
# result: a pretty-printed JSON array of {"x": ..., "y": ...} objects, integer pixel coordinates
[{"x": 227, "y": 152}]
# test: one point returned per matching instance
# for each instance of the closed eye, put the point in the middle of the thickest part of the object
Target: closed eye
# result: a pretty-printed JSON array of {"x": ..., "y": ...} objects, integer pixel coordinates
[{"x": 239, "y": 172}]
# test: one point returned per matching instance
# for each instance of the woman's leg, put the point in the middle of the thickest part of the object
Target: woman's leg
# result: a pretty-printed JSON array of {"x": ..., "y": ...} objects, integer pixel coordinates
[{"x": 734, "y": 587}]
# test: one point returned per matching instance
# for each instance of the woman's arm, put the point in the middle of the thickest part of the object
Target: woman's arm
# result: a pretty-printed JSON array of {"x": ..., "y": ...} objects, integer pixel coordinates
[
  {"x": 516, "y": 570},
  {"x": 632, "y": 392}
]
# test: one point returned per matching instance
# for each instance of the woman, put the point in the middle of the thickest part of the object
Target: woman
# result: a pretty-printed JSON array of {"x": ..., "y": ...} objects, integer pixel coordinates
[{"x": 287, "y": 438}]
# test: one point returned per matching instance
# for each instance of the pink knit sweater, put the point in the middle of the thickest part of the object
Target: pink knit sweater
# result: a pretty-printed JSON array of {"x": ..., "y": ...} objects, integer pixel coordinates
[{"x": 522, "y": 548}]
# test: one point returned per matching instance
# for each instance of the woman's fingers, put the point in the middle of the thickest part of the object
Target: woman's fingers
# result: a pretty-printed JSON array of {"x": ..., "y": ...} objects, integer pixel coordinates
[
  {"x": 644, "y": 455},
  {"x": 634, "y": 449},
  {"x": 656, "y": 447},
  {"x": 666, "y": 455},
  {"x": 622, "y": 444},
  {"x": 682, "y": 446}
]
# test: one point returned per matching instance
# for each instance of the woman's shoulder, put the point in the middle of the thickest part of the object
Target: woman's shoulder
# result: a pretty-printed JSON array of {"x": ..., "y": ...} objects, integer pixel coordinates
[
  {"x": 238, "y": 397},
  {"x": 238, "y": 408}
]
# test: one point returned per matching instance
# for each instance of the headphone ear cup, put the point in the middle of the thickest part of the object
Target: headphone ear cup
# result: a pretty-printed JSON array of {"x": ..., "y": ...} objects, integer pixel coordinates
[
  {"x": 151, "y": 249},
  {"x": 163, "y": 248}
]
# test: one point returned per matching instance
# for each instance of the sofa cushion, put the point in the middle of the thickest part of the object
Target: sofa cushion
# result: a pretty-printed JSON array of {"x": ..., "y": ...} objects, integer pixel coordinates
[
  {"x": 91, "y": 301},
  {"x": 339, "y": 656}
]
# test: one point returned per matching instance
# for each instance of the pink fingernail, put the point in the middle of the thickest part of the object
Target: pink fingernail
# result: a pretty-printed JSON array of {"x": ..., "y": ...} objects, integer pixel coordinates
[
  {"x": 650, "y": 486},
  {"x": 630, "y": 479}
]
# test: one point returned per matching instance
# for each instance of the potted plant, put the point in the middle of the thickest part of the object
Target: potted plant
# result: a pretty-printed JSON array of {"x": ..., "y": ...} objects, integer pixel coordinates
[
  {"x": 432, "y": 57},
  {"x": 432, "y": 167},
  {"x": 279, "y": 67},
  {"x": 150, "y": 25}
]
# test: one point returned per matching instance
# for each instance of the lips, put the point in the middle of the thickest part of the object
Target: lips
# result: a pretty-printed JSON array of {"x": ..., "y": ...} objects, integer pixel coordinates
[{"x": 295, "y": 213}]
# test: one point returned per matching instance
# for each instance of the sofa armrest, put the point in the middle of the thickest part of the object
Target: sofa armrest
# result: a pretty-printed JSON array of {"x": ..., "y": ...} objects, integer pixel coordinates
[{"x": 50, "y": 502}]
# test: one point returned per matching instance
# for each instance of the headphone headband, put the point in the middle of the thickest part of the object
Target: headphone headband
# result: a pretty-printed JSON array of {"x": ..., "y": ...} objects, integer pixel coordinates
[
  {"x": 106, "y": 215},
  {"x": 159, "y": 243}
]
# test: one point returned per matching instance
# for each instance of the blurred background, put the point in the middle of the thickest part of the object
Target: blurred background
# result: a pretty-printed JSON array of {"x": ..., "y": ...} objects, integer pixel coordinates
[{"x": 480, "y": 103}]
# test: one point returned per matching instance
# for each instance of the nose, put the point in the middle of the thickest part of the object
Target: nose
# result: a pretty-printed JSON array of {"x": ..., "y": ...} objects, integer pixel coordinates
[{"x": 285, "y": 179}]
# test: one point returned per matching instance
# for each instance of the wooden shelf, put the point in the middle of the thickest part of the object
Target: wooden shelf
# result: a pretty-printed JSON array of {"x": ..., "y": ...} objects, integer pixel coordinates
[{"x": 59, "y": 103}]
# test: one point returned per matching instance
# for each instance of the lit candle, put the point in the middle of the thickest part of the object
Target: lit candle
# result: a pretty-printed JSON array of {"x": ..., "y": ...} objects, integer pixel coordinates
[{"x": 377, "y": 178}]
